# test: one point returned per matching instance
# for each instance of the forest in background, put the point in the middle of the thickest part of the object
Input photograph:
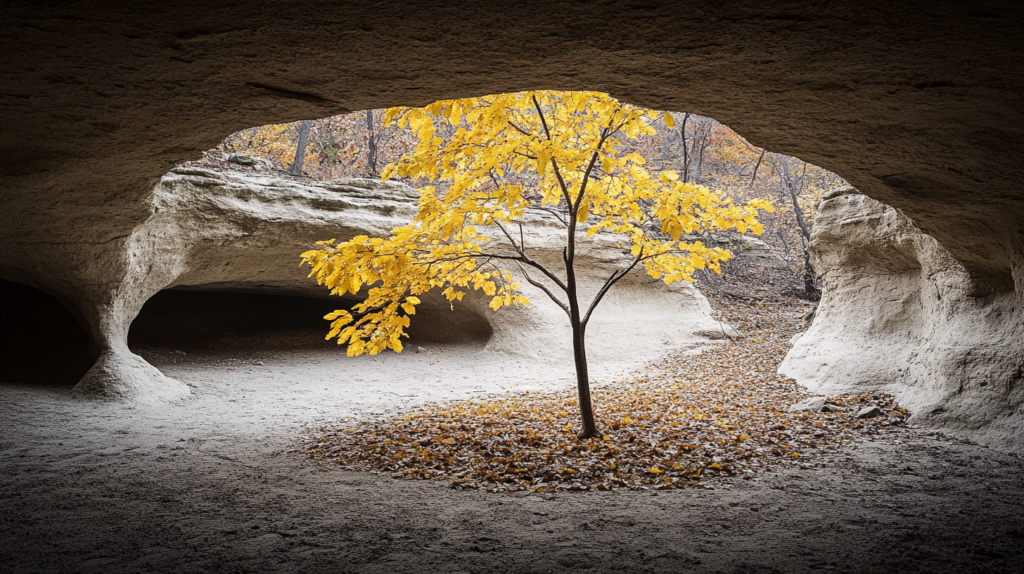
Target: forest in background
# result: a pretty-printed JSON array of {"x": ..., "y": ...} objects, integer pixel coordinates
[{"x": 701, "y": 149}]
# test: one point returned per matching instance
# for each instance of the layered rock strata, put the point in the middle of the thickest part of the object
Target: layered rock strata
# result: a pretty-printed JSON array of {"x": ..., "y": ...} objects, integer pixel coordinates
[
  {"x": 898, "y": 314},
  {"x": 208, "y": 230}
]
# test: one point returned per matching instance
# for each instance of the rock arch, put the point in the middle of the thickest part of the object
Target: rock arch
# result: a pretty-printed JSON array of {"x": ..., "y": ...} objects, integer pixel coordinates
[{"x": 918, "y": 105}]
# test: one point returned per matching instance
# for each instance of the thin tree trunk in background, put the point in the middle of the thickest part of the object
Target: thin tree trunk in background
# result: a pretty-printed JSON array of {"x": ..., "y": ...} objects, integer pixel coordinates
[
  {"x": 371, "y": 145},
  {"x": 805, "y": 229},
  {"x": 686, "y": 154},
  {"x": 810, "y": 281},
  {"x": 810, "y": 287},
  {"x": 300, "y": 151},
  {"x": 705, "y": 135},
  {"x": 754, "y": 176}
]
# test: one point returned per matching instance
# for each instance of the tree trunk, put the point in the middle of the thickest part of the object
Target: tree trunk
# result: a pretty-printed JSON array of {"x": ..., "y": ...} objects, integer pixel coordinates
[
  {"x": 579, "y": 355},
  {"x": 706, "y": 133},
  {"x": 300, "y": 151},
  {"x": 576, "y": 319},
  {"x": 810, "y": 288},
  {"x": 810, "y": 283},
  {"x": 686, "y": 154},
  {"x": 579, "y": 352},
  {"x": 371, "y": 145}
]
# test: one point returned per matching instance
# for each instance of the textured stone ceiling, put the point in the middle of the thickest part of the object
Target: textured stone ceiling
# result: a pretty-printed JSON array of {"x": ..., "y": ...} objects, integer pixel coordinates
[{"x": 917, "y": 104}]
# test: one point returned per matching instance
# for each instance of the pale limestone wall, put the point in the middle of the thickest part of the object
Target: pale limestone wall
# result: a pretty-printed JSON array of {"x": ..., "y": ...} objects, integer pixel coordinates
[
  {"x": 208, "y": 230},
  {"x": 899, "y": 315}
]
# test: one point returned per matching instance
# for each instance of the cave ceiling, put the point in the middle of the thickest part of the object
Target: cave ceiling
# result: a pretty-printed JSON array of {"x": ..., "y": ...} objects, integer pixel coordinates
[{"x": 918, "y": 104}]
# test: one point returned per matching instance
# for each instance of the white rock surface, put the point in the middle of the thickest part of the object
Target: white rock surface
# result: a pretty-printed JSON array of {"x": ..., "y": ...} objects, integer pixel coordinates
[
  {"x": 899, "y": 315},
  {"x": 208, "y": 230}
]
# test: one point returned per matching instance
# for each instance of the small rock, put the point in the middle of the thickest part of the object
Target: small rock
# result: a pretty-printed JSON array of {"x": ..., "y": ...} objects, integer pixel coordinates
[
  {"x": 811, "y": 405},
  {"x": 809, "y": 316},
  {"x": 182, "y": 353},
  {"x": 420, "y": 350},
  {"x": 830, "y": 409},
  {"x": 722, "y": 332},
  {"x": 869, "y": 412},
  {"x": 242, "y": 159}
]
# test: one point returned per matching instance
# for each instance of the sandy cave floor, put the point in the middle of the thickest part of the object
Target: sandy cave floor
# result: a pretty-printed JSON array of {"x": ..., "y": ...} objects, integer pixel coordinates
[{"x": 206, "y": 485}]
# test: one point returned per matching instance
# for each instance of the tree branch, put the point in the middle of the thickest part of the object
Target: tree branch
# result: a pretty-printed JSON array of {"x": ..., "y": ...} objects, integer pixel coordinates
[
  {"x": 608, "y": 285},
  {"x": 543, "y": 288},
  {"x": 754, "y": 176},
  {"x": 543, "y": 122},
  {"x": 519, "y": 129},
  {"x": 590, "y": 167},
  {"x": 552, "y": 212},
  {"x": 518, "y": 248}
]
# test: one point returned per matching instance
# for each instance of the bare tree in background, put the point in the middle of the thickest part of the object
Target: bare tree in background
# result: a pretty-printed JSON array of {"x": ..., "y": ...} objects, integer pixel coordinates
[
  {"x": 694, "y": 145},
  {"x": 686, "y": 153},
  {"x": 300, "y": 150},
  {"x": 377, "y": 138},
  {"x": 372, "y": 144},
  {"x": 792, "y": 186}
]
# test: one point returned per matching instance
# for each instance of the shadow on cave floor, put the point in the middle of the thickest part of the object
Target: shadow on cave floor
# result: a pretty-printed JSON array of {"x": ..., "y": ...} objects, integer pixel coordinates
[{"x": 42, "y": 344}]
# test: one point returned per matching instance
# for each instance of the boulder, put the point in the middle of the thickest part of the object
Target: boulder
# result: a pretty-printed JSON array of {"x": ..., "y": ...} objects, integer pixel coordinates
[
  {"x": 808, "y": 405},
  {"x": 869, "y": 413},
  {"x": 898, "y": 314},
  {"x": 242, "y": 159},
  {"x": 243, "y": 232}
]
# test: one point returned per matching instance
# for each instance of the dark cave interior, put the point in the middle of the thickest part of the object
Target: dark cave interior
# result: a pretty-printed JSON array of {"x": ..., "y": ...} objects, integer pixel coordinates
[{"x": 42, "y": 342}]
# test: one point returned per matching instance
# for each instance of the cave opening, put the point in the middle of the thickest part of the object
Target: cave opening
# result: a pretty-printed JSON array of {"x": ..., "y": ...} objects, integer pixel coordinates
[
  {"x": 704, "y": 151},
  {"x": 43, "y": 344},
  {"x": 214, "y": 322}
]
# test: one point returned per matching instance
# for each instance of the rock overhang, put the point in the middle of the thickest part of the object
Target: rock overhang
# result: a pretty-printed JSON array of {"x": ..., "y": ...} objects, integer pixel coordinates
[{"x": 920, "y": 108}]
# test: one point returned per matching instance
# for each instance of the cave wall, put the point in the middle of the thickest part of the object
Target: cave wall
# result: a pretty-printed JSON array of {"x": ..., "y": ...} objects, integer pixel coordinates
[
  {"x": 918, "y": 104},
  {"x": 244, "y": 233},
  {"x": 899, "y": 315}
]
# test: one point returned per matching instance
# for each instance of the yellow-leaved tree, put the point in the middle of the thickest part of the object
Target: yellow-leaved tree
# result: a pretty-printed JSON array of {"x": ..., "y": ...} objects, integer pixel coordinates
[{"x": 505, "y": 155}]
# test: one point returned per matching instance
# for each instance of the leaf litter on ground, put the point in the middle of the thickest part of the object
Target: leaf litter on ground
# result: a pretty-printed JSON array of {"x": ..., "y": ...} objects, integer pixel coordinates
[{"x": 701, "y": 412}]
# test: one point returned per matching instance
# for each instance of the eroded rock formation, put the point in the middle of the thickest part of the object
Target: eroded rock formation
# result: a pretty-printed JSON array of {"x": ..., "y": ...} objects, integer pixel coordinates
[
  {"x": 918, "y": 105},
  {"x": 899, "y": 314},
  {"x": 228, "y": 232}
]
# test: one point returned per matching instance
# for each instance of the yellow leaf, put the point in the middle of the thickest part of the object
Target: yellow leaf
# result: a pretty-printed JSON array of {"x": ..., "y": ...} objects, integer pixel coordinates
[
  {"x": 670, "y": 122},
  {"x": 581, "y": 215},
  {"x": 656, "y": 471}
]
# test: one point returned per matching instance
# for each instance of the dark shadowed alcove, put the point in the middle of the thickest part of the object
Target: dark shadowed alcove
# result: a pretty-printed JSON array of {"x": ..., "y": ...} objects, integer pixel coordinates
[
  {"x": 41, "y": 341},
  {"x": 214, "y": 321}
]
